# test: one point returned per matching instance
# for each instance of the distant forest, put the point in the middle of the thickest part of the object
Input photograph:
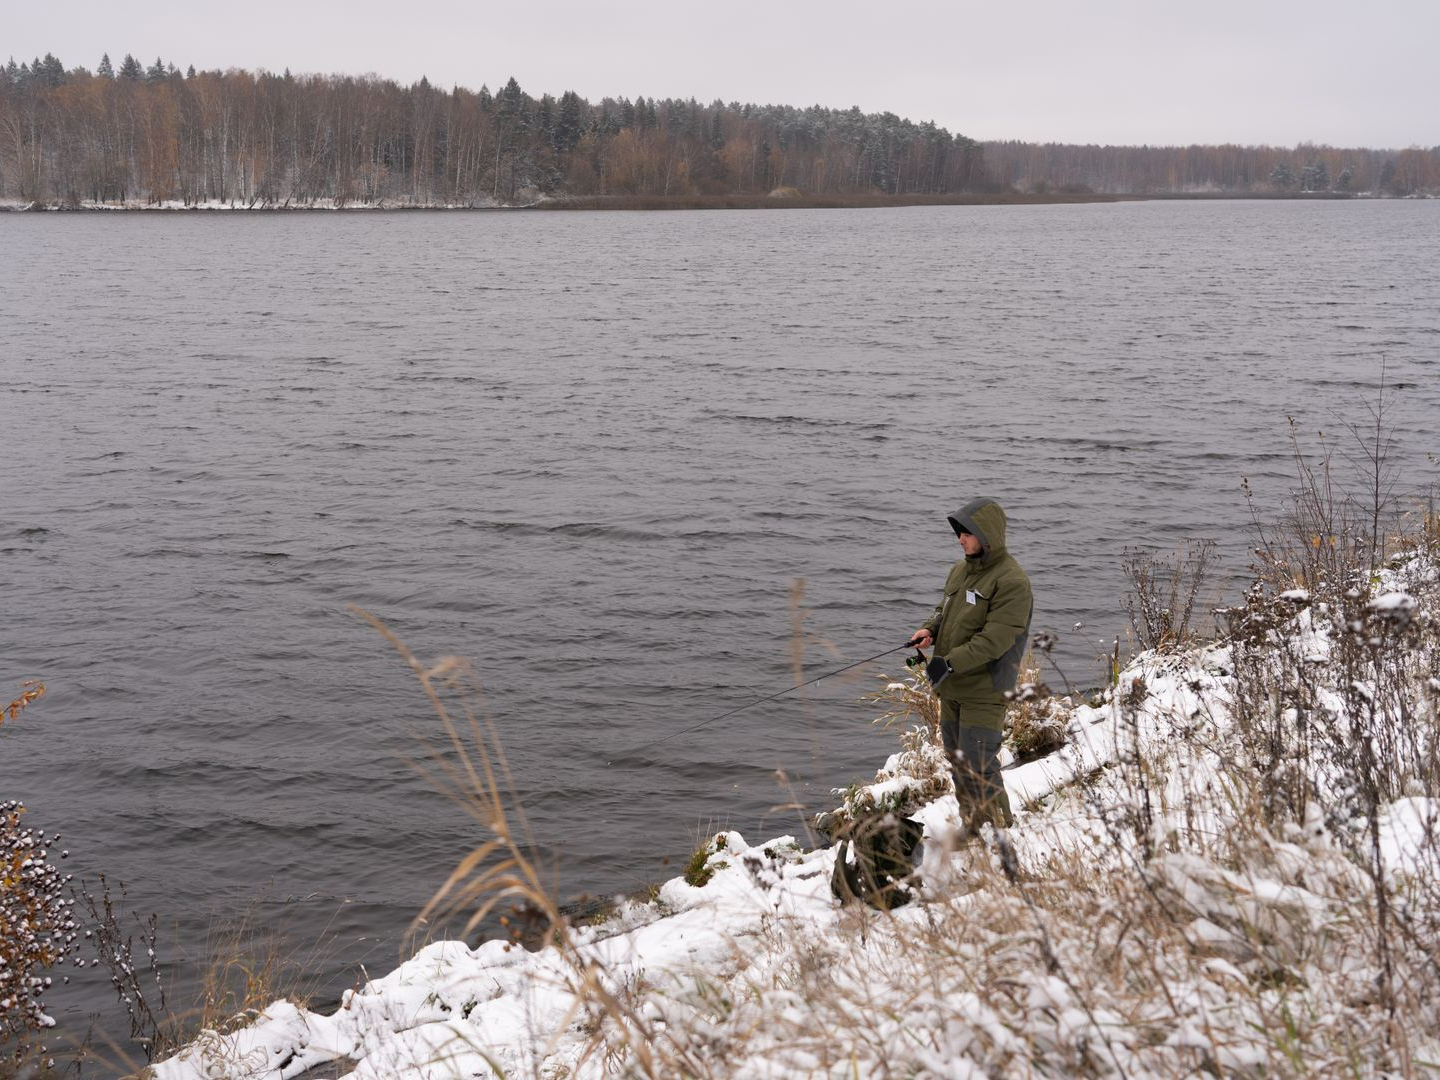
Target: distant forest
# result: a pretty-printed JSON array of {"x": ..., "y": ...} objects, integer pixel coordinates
[{"x": 154, "y": 134}]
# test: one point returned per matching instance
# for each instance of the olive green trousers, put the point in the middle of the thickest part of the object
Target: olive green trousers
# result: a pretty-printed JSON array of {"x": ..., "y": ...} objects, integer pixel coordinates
[{"x": 973, "y": 750}]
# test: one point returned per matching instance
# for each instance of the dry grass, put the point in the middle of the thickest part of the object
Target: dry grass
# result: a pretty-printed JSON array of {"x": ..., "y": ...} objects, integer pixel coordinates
[
  {"x": 1242, "y": 951},
  {"x": 907, "y": 702},
  {"x": 39, "y": 932},
  {"x": 1197, "y": 909},
  {"x": 247, "y": 968},
  {"x": 1215, "y": 903},
  {"x": 1035, "y": 722},
  {"x": 498, "y": 872},
  {"x": 1079, "y": 972},
  {"x": 1164, "y": 593},
  {"x": 1338, "y": 519}
]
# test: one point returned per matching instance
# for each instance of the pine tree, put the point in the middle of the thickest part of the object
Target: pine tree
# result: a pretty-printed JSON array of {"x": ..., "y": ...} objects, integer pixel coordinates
[
  {"x": 130, "y": 69},
  {"x": 155, "y": 72},
  {"x": 1314, "y": 176},
  {"x": 1282, "y": 177},
  {"x": 511, "y": 122},
  {"x": 105, "y": 71},
  {"x": 608, "y": 123},
  {"x": 568, "y": 123},
  {"x": 511, "y": 104},
  {"x": 50, "y": 71}
]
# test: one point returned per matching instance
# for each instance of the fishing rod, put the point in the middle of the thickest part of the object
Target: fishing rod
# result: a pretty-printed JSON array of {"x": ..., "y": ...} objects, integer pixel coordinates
[{"x": 913, "y": 643}]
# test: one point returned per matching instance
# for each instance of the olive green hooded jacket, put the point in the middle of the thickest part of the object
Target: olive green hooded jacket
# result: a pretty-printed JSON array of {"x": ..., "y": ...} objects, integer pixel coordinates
[{"x": 983, "y": 623}]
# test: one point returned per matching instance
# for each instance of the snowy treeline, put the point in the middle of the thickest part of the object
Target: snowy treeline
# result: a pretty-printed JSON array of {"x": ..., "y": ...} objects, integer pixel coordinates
[
  {"x": 137, "y": 134},
  {"x": 158, "y": 135},
  {"x": 1303, "y": 169}
]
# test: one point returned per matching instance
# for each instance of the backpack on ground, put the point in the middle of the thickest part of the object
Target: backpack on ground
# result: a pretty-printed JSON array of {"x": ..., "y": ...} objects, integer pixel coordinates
[{"x": 882, "y": 846}]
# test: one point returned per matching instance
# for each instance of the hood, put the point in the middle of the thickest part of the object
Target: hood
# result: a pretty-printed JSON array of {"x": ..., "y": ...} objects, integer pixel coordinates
[{"x": 986, "y": 520}]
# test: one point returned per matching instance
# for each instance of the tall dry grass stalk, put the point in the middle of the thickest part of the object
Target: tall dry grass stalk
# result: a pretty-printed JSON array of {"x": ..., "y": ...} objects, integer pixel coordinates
[
  {"x": 478, "y": 779},
  {"x": 498, "y": 874},
  {"x": 801, "y": 639}
]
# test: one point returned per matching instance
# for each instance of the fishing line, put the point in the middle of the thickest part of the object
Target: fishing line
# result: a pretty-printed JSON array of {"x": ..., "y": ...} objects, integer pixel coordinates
[{"x": 761, "y": 701}]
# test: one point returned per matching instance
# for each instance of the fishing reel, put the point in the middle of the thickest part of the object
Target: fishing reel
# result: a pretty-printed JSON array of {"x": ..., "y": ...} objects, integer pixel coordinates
[
  {"x": 918, "y": 661},
  {"x": 936, "y": 669}
]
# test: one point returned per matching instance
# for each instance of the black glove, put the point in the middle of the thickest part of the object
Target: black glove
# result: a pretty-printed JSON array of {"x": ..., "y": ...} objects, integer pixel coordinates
[{"x": 937, "y": 671}]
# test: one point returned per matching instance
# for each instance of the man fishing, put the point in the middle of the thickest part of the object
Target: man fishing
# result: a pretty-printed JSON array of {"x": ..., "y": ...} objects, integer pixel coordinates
[{"x": 979, "y": 631}]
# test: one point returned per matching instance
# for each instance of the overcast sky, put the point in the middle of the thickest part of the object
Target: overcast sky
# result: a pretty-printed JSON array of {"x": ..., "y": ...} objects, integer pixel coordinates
[{"x": 1104, "y": 71}]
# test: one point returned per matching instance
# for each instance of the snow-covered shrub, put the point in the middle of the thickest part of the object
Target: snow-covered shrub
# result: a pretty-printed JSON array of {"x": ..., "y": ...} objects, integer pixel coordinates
[
  {"x": 37, "y": 925},
  {"x": 1036, "y": 720},
  {"x": 1332, "y": 697},
  {"x": 1038, "y": 726}
]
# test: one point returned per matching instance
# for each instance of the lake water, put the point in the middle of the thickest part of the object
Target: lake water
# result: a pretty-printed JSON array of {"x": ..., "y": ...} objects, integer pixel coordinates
[{"x": 592, "y": 453}]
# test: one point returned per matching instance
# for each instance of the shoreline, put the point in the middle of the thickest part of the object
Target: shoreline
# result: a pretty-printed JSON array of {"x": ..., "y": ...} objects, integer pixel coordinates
[
  {"x": 587, "y": 202},
  {"x": 696, "y": 202}
]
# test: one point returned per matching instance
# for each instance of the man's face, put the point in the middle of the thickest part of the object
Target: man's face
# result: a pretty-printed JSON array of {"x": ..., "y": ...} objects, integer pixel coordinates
[{"x": 971, "y": 543}]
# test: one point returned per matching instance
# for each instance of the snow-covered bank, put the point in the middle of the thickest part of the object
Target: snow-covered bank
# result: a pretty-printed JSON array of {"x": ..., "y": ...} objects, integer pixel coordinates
[{"x": 1233, "y": 867}]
